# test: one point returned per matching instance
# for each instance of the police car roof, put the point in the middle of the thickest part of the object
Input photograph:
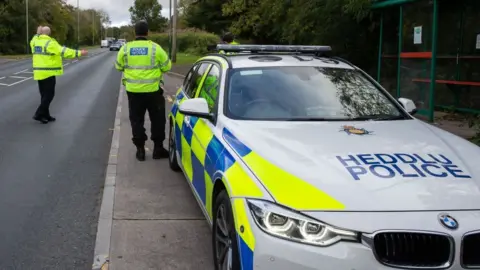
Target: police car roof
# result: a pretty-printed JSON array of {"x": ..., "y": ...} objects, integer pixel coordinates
[{"x": 281, "y": 60}]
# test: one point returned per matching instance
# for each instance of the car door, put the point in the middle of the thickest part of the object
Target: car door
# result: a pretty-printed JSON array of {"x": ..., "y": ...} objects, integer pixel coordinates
[
  {"x": 184, "y": 122},
  {"x": 203, "y": 130}
]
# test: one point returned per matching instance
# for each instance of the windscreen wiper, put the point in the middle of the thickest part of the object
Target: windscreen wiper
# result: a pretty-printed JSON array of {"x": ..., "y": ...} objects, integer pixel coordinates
[
  {"x": 378, "y": 117},
  {"x": 314, "y": 119}
]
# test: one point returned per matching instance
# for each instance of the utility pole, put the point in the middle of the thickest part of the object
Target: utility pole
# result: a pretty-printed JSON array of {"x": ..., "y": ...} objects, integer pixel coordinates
[
  {"x": 174, "y": 33},
  {"x": 93, "y": 27},
  {"x": 26, "y": 25},
  {"x": 170, "y": 26},
  {"x": 78, "y": 23}
]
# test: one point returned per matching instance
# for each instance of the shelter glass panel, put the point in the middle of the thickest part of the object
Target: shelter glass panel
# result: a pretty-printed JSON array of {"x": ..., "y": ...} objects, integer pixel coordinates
[{"x": 416, "y": 53}]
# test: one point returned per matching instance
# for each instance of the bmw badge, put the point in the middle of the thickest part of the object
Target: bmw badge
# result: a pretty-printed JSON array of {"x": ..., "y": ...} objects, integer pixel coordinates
[{"x": 448, "y": 221}]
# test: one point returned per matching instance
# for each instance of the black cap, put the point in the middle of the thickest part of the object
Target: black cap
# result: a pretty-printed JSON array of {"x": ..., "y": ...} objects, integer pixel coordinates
[
  {"x": 227, "y": 37},
  {"x": 141, "y": 28}
]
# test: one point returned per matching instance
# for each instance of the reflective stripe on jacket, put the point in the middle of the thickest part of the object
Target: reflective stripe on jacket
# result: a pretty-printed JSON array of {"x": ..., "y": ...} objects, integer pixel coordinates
[
  {"x": 143, "y": 63},
  {"x": 47, "y": 57}
]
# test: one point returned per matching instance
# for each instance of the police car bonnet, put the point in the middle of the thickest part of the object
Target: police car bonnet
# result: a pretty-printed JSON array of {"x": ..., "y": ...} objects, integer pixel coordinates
[{"x": 372, "y": 166}]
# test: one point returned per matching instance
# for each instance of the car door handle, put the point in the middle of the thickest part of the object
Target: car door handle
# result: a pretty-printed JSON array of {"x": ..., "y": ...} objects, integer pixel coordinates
[{"x": 187, "y": 120}]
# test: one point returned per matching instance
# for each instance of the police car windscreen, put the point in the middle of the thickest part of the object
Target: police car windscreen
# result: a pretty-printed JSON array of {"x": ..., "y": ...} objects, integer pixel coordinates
[{"x": 299, "y": 93}]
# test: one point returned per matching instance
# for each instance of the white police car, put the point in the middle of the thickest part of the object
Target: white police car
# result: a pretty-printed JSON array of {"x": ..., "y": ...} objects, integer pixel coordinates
[{"x": 302, "y": 161}]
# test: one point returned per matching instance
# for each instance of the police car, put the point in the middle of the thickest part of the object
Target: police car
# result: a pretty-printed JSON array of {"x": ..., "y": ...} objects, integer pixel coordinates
[{"x": 300, "y": 160}]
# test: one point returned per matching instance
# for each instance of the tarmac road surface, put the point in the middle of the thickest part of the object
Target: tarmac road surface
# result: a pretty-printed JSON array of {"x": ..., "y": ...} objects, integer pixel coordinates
[{"x": 51, "y": 176}]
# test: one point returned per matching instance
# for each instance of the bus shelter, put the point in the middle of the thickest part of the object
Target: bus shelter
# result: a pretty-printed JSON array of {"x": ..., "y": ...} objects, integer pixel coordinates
[{"x": 429, "y": 51}]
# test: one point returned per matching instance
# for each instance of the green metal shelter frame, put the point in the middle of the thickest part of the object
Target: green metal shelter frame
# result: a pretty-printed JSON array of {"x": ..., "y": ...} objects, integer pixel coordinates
[{"x": 379, "y": 4}]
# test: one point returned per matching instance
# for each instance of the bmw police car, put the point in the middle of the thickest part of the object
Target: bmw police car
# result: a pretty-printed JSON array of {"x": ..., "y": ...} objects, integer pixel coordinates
[{"x": 300, "y": 160}]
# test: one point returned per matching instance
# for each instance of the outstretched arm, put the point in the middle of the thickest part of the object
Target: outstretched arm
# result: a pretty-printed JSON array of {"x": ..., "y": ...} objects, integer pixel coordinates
[{"x": 56, "y": 49}]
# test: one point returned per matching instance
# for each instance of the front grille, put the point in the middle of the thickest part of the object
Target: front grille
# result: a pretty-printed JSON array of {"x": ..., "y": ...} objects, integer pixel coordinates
[
  {"x": 471, "y": 250},
  {"x": 411, "y": 249}
]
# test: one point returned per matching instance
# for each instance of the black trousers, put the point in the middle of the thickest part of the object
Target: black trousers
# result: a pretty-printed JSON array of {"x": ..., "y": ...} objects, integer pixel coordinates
[
  {"x": 154, "y": 103},
  {"x": 47, "y": 93}
]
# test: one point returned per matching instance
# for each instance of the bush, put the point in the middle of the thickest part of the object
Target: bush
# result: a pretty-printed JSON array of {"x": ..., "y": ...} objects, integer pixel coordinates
[{"x": 192, "y": 42}]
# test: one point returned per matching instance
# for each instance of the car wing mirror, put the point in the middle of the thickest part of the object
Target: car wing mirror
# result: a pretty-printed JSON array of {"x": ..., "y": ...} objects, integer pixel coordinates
[{"x": 197, "y": 107}]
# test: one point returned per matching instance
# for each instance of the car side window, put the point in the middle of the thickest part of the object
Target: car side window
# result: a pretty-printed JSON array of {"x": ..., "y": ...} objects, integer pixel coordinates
[
  {"x": 195, "y": 80},
  {"x": 210, "y": 87},
  {"x": 187, "y": 79}
]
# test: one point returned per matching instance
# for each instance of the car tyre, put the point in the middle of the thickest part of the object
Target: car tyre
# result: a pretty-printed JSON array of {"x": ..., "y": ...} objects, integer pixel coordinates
[
  {"x": 226, "y": 255},
  {"x": 172, "y": 155}
]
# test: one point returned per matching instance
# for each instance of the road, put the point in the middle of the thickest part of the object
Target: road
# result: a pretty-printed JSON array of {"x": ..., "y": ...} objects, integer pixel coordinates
[{"x": 51, "y": 176}]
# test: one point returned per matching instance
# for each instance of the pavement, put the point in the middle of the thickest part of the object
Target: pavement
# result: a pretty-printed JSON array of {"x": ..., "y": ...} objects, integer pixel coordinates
[
  {"x": 149, "y": 217},
  {"x": 52, "y": 179}
]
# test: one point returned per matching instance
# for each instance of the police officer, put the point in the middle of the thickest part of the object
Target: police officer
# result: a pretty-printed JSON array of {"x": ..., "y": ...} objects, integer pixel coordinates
[
  {"x": 228, "y": 38},
  {"x": 143, "y": 62},
  {"x": 47, "y": 63}
]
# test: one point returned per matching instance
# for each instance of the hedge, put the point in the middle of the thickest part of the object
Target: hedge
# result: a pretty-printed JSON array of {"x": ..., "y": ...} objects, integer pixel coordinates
[{"x": 192, "y": 42}]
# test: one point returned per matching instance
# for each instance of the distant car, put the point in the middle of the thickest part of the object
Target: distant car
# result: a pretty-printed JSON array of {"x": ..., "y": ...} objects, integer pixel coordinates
[
  {"x": 301, "y": 161},
  {"x": 115, "y": 46}
]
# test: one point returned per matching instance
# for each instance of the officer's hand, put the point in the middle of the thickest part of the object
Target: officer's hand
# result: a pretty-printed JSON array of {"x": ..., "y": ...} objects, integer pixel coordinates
[{"x": 84, "y": 52}]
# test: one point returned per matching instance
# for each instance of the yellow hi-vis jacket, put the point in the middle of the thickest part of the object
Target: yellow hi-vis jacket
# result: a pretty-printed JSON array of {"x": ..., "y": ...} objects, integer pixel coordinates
[
  {"x": 32, "y": 42},
  {"x": 229, "y": 53},
  {"x": 143, "y": 63},
  {"x": 47, "y": 57}
]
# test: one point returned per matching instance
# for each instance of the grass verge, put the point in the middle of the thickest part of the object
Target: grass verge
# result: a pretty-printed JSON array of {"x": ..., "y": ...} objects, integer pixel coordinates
[{"x": 185, "y": 59}]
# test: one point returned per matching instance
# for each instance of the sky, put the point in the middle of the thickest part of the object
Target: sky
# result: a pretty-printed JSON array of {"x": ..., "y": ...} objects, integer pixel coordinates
[{"x": 116, "y": 9}]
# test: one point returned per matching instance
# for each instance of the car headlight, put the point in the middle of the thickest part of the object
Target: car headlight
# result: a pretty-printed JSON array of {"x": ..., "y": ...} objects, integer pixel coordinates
[{"x": 286, "y": 224}]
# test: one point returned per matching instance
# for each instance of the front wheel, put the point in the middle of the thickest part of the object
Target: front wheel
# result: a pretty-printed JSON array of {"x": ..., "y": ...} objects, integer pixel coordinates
[
  {"x": 224, "y": 236},
  {"x": 172, "y": 155}
]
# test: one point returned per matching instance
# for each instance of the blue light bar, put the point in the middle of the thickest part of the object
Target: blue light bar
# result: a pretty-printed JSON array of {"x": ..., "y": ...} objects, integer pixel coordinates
[{"x": 273, "y": 48}]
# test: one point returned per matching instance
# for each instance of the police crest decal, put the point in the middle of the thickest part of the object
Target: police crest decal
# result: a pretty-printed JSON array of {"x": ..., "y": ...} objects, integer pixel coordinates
[{"x": 354, "y": 130}]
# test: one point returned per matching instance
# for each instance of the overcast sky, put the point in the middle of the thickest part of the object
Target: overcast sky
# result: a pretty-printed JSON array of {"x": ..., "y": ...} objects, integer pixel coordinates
[{"x": 117, "y": 9}]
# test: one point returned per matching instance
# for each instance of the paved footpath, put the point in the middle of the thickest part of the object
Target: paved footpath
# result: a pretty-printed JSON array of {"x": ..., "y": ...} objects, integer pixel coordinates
[{"x": 149, "y": 218}]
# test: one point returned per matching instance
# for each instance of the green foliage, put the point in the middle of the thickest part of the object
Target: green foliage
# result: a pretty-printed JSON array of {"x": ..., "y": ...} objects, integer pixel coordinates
[
  {"x": 149, "y": 10},
  {"x": 61, "y": 17},
  {"x": 126, "y": 31},
  {"x": 346, "y": 25},
  {"x": 188, "y": 42},
  {"x": 205, "y": 15}
]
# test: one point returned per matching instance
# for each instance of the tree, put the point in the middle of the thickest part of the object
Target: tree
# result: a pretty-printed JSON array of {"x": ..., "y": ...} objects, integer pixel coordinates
[
  {"x": 60, "y": 16},
  {"x": 206, "y": 15},
  {"x": 149, "y": 10}
]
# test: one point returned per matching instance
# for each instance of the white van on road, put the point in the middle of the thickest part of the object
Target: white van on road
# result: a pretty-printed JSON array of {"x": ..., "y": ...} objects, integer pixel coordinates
[{"x": 104, "y": 44}]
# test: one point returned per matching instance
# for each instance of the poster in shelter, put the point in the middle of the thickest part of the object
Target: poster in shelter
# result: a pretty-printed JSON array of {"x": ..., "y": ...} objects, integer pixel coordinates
[{"x": 417, "y": 35}]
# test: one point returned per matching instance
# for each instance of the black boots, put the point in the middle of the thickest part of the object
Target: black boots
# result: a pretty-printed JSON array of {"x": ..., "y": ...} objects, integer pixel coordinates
[
  {"x": 140, "y": 153},
  {"x": 159, "y": 152},
  {"x": 44, "y": 120}
]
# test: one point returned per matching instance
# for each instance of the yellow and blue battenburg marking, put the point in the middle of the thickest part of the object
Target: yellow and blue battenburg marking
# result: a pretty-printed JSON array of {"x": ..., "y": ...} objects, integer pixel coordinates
[{"x": 206, "y": 160}]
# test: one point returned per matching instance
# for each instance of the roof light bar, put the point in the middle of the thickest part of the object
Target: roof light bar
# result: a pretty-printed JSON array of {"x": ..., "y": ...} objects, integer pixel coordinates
[{"x": 273, "y": 48}]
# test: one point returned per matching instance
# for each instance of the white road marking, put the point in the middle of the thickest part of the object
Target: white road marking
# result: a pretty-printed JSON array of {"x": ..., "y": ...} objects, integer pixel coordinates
[
  {"x": 21, "y": 71},
  {"x": 19, "y": 82},
  {"x": 30, "y": 72}
]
